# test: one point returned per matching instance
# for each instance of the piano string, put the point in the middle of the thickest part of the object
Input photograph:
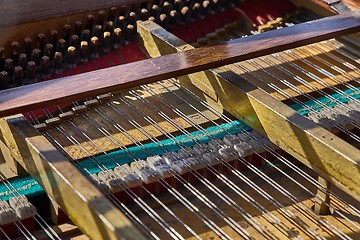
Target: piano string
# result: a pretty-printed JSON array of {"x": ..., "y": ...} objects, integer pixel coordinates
[{"x": 299, "y": 72}]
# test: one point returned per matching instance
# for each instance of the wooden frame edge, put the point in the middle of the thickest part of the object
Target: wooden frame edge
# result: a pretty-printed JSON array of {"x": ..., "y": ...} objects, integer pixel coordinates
[{"x": 82, "y": 201}]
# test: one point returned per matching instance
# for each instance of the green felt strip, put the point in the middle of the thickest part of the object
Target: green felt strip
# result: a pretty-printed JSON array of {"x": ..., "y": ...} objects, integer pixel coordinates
[
  {"x": 119, "y": 157},
  {"x": 331, "y": 101}
]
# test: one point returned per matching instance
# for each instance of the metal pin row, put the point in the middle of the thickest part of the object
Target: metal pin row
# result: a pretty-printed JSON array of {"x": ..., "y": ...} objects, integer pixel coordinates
[
  {"x": 184, "y": 160},
  {"x": 330, "y": 118},
  {"x": 64, "y": 116},
  {"x": 17, "y": 208}
]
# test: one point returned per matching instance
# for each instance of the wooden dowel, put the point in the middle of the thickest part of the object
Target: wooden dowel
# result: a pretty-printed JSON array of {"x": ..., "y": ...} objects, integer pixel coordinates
[
  {"x": 322, "y": 202},
  {"x": 94, "y": 83}
]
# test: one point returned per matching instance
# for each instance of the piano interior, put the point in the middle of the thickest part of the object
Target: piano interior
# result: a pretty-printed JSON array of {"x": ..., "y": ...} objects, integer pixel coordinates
[{"x": 263, "y": 144}]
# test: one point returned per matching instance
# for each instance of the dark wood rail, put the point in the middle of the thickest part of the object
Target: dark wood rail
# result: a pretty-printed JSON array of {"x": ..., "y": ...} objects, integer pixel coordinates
[
  {"x": 353, "y": 3},
  {"x": 326, "y": 4},
  {"x": 14, "y": 12},
  {"x": 90, "y": 84}
]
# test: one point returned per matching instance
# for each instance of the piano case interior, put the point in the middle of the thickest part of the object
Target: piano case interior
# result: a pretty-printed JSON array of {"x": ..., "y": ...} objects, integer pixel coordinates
[{"x": 182, "y": 119}]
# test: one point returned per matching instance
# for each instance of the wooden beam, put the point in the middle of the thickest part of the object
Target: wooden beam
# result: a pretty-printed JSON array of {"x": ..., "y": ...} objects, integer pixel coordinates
[
  {"x": 329, "y": 7},
  {"x": 86, "y": 206},
  {"x": 317, "y": 6},
  {"x": 85, "y": 85},
  {"x": 331, "y": 157},
  {"x": 9, "y": 163},
  {"x": 65, "y": 231},
  {"x": 355, "y": 4}
]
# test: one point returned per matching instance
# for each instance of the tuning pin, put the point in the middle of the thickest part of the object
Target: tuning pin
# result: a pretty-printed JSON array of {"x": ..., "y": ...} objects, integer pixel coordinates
[
  {"x": 101, "y": 18},
  {"x": 144, "y": 14},
  {"x": 15, "y": 52},
  {"x": 162, "y": 20},
  {"x": 173, "y": 17},
  {"x": 109, "y": 26},
  {"x": 9, "y": 66},
  {"x": 2, "y": 58},
  {"x": 205, "y": 8},
  {"x": 4, "y": 80},
  {"x": 28, "y": 48},
  {"x": 41, "y": 41},
  {"x": 106, "y": 42},
  {"x": 112, "y": 14},
  {"x": 61, "y": 46},
  {"x": 142, "y": 5},
  {"x": 215, "y": 5},
  {"x": 184, "y": 14},
  {"x": 94, "y": 47},
  {"x": 54, "y": 38},
  {"x": 97, "y": 31},
  {"x": 90, "y": 22},
  {"x": 195, "y": 11},
  {"x": 22, "y": 62},
  {"x": 118, "y": 38},
  {"x": 123, "y": 11},
  {"x": 78, "y": 28},
  {"x": 35, "y": 56},
  {"x": 67, "y": 32},
  {"x": 132, "y": 18},
  {"x": 121, "y": 22},
  {"x": 166, "y": 7},
  {"x": 130, "y": 32},
  {"x": 85, "y": 35},
  {"x": 58, "y": 63},
  {"x": 31, "y": 72},
  {"x": 45, "y": 66},
  {"x": 71, "y": 57},
  {"x": 178, "y": 4},
  {"x": 84, "y": 49},
  {"x": 49, "y": 51},
  {"x": 160, "y": 3},
  {"x": 18, "y": 77},
  {"x": 152, "y": 19},
  {"x": 74, "y": 40},
  {"x": 154, "y": 11}
]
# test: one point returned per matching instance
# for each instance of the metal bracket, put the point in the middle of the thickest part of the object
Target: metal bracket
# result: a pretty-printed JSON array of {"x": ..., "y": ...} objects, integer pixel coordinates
[{"x": 338, "y": 6}]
